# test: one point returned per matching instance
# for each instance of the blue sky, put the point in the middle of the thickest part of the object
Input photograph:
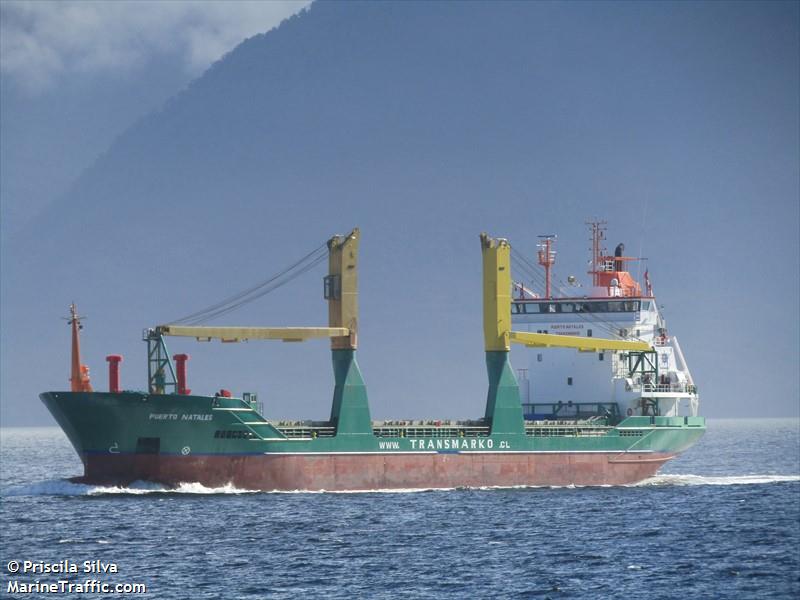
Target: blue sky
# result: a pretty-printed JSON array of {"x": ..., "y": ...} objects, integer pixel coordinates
[{"x": 424, "y": 123}]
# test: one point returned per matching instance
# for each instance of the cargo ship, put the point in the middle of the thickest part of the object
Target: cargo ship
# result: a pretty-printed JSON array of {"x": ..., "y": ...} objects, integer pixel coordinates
[{"x": 169, "y": 435}]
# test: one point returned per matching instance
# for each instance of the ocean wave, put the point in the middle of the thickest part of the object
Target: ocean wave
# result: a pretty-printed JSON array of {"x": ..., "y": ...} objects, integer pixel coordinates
[
  {"x": 677, "y": 479},
  {"x": 61, "y": 487}
]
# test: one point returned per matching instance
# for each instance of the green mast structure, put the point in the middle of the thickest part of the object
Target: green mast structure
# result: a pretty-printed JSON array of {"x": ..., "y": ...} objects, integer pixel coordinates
[{"x": 350, "y": 410}]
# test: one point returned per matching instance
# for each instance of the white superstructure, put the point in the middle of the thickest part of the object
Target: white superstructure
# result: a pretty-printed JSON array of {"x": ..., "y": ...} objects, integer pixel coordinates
[{"x": 560, "y": 382}]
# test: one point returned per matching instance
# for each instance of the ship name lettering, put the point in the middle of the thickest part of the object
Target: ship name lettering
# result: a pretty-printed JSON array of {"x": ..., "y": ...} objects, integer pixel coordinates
[
  {"x": 195, "y": 417},
  {"x": 453, "y": 444},
  {"x": 182, "y": 417}
]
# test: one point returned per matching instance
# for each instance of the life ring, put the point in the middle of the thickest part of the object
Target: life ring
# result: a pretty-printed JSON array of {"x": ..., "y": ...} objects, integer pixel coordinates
[{"x": 630, "y": 412}]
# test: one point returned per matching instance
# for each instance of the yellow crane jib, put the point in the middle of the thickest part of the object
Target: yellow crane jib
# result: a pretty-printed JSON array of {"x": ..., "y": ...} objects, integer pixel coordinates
[
  {"x": 242, "y": 334},
  {"x": 583, "y": 344},
  {"x": 341, "y": 288}
]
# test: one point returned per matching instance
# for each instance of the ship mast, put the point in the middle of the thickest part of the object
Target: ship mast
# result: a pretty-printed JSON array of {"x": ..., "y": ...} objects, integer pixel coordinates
[
  {"x": 598, "y": 251},
  {"x": 79, "y": 376},
  {"x": 547, "y": 258}
]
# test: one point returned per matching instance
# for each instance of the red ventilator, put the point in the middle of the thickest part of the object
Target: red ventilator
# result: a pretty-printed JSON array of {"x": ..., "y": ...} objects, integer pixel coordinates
[
  {"x": 113, "y": 372},
  {"x": 180, "y": 373}
]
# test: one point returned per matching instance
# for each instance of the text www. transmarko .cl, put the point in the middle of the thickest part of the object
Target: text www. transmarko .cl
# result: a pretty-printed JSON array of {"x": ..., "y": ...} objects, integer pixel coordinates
[{"x": 445, "y": 444}]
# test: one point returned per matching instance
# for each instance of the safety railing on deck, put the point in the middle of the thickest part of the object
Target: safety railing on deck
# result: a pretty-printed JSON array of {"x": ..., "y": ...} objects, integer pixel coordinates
[
  {"x": 592, "y": 427},
  {"x": 295, "y": 430},
  {"x": 560, "y": 429},
  {"x": 428, "y": 429},
  {"x": 668, "y": 388},
  {"x": 446, "y": 431}
]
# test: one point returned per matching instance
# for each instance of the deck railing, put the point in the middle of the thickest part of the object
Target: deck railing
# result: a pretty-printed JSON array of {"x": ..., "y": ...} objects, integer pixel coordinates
[
  {"x": 560, "y": 428},
  {"x": 446, "y": 431},
  {"x": 668, "y": 388},
  {"x": 305, "y": 432}
]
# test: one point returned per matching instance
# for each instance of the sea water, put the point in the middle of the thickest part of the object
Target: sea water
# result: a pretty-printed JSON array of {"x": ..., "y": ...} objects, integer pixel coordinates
[{"x": 722, "y": 521}]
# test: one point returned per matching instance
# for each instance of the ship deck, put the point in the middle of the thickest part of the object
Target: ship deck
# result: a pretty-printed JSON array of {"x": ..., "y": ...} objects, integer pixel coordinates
[{"x": 444, "y": 428}]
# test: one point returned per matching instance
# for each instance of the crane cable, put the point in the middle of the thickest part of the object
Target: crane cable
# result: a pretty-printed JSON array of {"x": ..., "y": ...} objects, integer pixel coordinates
[
  {"x": 591, "y": 318},
  {"x": 304, "y": 264},
  {"x": 531, "y": 269}
]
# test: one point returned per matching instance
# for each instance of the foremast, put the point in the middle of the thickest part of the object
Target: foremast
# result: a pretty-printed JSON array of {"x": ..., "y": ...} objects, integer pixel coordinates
[{"x": 79, "y": 373}]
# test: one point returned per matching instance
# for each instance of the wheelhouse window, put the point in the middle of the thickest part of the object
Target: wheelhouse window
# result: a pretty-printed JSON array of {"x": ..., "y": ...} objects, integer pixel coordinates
[{"x": 571, "y": 306}]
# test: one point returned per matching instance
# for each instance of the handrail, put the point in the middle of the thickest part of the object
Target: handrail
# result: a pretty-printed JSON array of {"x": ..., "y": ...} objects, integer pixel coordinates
[{"x": 665, "y": 388}]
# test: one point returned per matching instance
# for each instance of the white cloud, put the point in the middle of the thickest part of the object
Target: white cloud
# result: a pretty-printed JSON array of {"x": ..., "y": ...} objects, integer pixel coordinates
[{"x": 41, "y": 41}]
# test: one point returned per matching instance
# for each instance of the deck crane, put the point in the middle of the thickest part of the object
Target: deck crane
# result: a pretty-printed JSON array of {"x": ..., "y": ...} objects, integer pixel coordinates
[{"x": 341, "y": 292}]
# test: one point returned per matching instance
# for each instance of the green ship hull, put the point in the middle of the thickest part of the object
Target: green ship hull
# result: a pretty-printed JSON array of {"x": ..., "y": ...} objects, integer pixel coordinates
[{"x": 172, "y": 438}]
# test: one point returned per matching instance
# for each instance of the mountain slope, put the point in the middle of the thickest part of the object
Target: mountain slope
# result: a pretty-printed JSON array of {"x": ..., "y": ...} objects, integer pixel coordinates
[{"x": 423, "y": 124}]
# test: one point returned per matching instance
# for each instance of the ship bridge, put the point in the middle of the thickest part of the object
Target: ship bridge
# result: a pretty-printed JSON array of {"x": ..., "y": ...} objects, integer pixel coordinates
[{"x": 615, "y": 306}]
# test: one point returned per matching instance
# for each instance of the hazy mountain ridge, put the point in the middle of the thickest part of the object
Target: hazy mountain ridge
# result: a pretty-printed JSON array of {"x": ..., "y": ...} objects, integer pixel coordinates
[{"x": 423, "y": 124}]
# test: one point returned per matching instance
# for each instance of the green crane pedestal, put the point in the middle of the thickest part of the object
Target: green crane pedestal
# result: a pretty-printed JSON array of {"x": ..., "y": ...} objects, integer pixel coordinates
[
  {"x": 350, "y": 410},
  {"x": 503, "y": 405}
]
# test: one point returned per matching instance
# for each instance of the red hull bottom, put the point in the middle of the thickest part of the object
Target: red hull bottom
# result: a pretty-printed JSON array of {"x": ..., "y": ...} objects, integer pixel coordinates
[{"x": 341, "y": 472}]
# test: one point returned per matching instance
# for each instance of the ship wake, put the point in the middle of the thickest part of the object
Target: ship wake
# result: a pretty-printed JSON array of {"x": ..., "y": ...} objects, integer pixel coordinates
[
  {"x": 63, "y": 487},
  {"x": 680, "y": 480}
]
